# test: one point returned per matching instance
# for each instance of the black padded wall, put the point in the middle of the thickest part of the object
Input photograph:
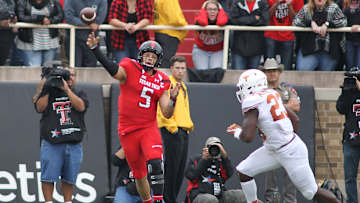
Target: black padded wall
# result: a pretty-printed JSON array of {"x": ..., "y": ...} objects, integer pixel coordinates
[{"x": 20, "y": 147}]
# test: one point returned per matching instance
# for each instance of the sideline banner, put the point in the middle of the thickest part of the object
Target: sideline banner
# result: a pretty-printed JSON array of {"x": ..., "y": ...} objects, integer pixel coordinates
[{"x": 20, "y": 147}]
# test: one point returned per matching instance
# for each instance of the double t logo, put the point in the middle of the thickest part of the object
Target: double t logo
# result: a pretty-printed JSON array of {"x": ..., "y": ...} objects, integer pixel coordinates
[{"x": 63, "y": 108}]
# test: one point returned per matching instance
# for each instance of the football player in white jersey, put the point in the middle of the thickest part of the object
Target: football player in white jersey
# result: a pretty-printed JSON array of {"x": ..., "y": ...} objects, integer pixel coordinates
[{"x": 263, "y": 109}]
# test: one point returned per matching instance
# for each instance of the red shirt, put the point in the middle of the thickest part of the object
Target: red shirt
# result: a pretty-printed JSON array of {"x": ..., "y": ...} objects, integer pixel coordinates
[
  {"x": 119, "y": 10},
  {"x": 139, "y": 96},
  {"x": 281, "y": 18}
]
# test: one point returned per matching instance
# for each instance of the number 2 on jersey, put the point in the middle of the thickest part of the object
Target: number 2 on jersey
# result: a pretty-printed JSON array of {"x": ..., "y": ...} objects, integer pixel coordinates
[
  {"x": 276, "y": 111},
  {"x": 146, "y": 97}
]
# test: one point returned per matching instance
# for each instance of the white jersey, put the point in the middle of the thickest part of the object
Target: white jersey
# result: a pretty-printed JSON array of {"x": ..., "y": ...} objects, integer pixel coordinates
[{"x": 273, "y": 119}]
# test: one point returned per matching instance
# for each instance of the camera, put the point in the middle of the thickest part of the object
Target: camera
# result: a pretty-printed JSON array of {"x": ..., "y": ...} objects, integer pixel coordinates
[
  {"x": 349, "y": 79},
  {"x": 54, "y": 75},
  {"x": 214, "y": 150}
]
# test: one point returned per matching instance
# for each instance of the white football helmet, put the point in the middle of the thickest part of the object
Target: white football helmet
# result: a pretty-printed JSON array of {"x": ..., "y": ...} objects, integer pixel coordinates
[{"x": 250, "y": 81}]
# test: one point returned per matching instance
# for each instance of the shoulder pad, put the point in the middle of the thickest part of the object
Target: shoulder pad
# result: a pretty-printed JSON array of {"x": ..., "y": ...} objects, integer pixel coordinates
[{"x": 252, "y": 101}]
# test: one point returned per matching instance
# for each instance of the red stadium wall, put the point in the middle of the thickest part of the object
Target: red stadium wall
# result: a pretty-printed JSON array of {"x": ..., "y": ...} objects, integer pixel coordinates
[{"x": 190, "y": 9}]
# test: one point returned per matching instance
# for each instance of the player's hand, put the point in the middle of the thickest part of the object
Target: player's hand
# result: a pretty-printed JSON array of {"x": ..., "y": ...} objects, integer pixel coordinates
[
  {"x": 231, "y": 128},
  {"x": 234, "y": 130},
  {"x": 92, "y": 41},
  {"x": 205, "y": 153},
  {"x": 174, "y": 91}
]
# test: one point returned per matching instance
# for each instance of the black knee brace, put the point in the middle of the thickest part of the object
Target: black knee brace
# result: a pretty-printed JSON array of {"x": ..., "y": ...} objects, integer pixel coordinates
[{"x": 156, "y": 175}]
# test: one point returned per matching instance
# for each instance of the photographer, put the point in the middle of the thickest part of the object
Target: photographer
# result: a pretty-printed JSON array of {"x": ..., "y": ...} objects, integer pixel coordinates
[
  {"x": 62, "y": 128},
  {"x": 348, "y": 104},
  {"x": 124, "y": 182},
  {"x": 207, "y": 174}
]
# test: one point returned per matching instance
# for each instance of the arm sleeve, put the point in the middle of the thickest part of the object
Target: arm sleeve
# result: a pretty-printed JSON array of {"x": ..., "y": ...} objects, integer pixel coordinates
[
  {"x": 21, "y": 14},
  {"x": 343, "y": 103},
  {"x": 202, "y": 18},
  {"x": 101, "y": 12},
  {"x": 70, "y": 14},
  {"x": 195, "y": 168},
  {"x": 111, "y": 67},
  {"x": 299, "y": 19},
  {"x": 59, "y": 14},
  {"x": 116, "y": 161},
  {"x": 229, "y": 170},
  {"x": 222, "y": 18},
  {"x": 338, "y": 18}
]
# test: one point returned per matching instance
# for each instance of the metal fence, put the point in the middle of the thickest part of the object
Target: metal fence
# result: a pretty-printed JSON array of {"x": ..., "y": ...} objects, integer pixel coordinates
[{"x": 226, "y": 30}]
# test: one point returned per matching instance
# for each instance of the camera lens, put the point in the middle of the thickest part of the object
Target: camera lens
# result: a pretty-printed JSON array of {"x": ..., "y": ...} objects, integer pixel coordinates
[{"x": 214, "y": 150}]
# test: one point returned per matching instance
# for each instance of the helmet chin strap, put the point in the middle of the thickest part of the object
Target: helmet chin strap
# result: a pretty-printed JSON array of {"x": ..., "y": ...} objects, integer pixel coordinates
[{"x": 147, "y": 67}]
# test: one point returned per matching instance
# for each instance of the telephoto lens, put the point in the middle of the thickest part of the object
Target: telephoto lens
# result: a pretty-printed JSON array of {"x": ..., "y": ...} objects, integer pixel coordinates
[{"x": 214, "y": 150}]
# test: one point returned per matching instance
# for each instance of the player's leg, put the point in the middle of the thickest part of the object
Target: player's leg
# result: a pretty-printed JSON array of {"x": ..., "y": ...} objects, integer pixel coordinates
[
  {"x": 137, "y": 163},
  {"x": 294, "y": 158},
  {"x": 152, "y": 149},
  {"x": 143, "y": 188},
  {"x": 261, "y": 160}
]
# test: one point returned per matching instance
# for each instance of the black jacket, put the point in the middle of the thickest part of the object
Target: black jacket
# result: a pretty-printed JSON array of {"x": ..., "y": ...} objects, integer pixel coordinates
[
  {"x": 203, "y": 175},
  {"x": 348, "y": 104},
  {"x": 249, "y": 43},
  {"x": 24, "y": 13}
]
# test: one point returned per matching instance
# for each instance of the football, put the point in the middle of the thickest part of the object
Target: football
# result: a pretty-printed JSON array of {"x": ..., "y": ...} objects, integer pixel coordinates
[{"x": 88, "y": 15}]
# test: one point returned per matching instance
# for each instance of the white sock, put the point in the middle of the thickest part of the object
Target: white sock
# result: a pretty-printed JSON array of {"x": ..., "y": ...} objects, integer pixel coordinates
[
  {"x": 68, "y": 202},
  {"x": 49, "y": 202},
  {"x": 250, "y": 190}
]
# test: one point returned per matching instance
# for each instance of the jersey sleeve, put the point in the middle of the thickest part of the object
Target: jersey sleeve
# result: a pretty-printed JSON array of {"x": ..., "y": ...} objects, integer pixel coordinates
[
  {"x": 126, "y": 63},
  {"x": 165, "y": 81},
  {"x": 251, "y": 102}
]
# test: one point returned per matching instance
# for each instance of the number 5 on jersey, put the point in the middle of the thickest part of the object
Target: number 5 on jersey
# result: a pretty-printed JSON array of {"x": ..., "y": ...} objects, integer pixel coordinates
[{"x": 146, "y": 97}]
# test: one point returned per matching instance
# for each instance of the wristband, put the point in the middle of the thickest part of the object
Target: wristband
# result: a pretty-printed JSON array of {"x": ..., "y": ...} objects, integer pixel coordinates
[
  {"x": 237, "y": 133},
  {"x": 94, "y": 47}
]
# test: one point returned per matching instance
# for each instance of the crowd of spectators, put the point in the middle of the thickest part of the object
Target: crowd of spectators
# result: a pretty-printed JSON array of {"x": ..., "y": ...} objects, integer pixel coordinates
[{"x": 316, "y": 50}]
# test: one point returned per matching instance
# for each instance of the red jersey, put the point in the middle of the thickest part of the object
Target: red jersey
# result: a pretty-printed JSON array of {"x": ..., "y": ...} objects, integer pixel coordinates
[
  {"x": 139, "y": 96},
  {"x": 281, "y": 18}
]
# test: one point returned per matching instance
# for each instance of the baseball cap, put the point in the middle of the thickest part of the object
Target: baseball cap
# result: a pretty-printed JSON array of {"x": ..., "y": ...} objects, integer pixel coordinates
[
  {"x": 212, "y": 140},
  {"x": 271, "y": 64}
]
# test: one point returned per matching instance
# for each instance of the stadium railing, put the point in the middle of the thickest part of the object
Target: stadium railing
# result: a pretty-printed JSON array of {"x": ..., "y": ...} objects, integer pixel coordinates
[{"x": 226, "y": 30}]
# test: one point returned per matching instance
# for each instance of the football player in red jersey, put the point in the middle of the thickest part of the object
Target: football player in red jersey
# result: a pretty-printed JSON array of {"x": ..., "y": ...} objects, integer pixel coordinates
[{"x": 141, "y": 88}]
